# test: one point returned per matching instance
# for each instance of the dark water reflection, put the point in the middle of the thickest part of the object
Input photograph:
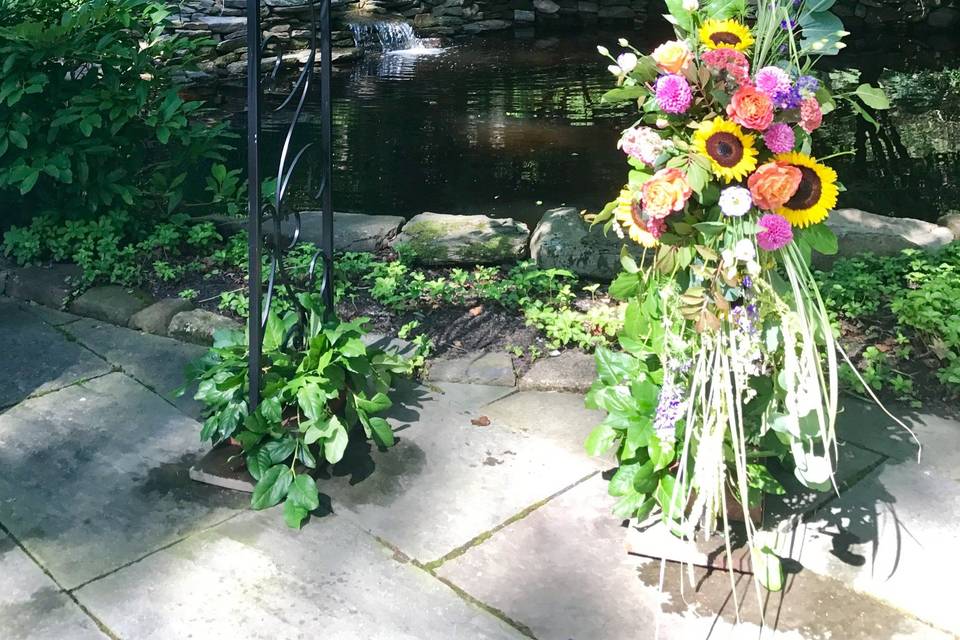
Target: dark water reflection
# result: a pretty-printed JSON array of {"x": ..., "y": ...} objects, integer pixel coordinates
[{"x": 512, "y": 126}]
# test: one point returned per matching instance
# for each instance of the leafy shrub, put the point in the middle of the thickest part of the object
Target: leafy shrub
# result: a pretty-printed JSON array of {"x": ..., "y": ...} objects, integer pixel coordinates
[
  {"x": 314, "y": 399},
  {"x": 91, "y": 116}
]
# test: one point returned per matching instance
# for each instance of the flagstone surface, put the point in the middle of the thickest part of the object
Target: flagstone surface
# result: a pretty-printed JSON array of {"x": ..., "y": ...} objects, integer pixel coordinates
[
  {"x": 95, "y": 476},
  {"x": 36, "y": 358},
  {"x": 486, "y": 520}
]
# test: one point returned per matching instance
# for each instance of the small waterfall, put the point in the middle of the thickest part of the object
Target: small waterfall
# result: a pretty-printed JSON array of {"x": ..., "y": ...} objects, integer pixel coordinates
[{"x": 385, "y": 36}]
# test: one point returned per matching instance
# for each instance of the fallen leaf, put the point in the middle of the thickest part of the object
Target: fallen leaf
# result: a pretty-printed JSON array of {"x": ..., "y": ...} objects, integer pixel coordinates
[
  {"x": 474, "y": 312},
  {"x": 482, "y": 421}
]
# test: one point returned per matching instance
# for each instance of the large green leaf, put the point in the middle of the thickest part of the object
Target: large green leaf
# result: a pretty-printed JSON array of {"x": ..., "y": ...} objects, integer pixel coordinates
[
  {"x": 303, "y": 492},
  {"x": 821, "y": 33},
  {"x": 272, "y": 487},
  {"x": 377, "y": 403},
  {"x": 872, "y": 96},
  {"x": 623, "y": 94},
  {"x": 294, "y": 514},
  {"x": 280, "y": 449},
  {"x": 335, "y": 444},
  {"x": 645, "y": 479},
  {"x": 382, "y": 432},
  {"x": 600, "y": 440}
]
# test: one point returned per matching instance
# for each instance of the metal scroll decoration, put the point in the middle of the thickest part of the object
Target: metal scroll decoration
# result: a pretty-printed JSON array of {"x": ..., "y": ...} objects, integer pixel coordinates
[{"x": 275, "y": 212}]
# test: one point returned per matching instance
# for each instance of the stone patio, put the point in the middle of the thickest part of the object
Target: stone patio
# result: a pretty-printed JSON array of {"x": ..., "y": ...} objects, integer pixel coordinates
[{"x": 459, "y": 531}]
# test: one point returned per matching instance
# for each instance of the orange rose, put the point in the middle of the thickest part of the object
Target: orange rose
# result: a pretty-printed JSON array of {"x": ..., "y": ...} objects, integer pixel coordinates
[
  {"x": 773, "y": 184},
  {"x": 667, "y": 191},
  {"x": 672, "y": 56},
  {"x": 751, "y": 108}
]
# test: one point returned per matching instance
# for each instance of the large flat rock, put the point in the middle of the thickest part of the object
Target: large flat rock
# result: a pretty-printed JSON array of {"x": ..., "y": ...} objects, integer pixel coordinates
[
  {"x": 862, "y": 232},
  {"x": 32, "y": 606},
  {"x": 159, "y": 363},
  {"x": 447, "y": 480},
  {"x": 570, "y": 371},
  {"x": 254, "y": 578},
  {"x": 494, "y": 368},
  {"x": 351, "y": 231},
  {"x": 37, "y": 358},
  {"x": 563, "y": 240},
  {"x": 563, "y": 572},
  {"x": 441, "y": 238},
  {"x": 94, "y": 476}
]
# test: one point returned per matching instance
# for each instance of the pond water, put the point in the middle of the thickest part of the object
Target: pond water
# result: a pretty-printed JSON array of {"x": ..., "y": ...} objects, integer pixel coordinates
[{"x": 511, "y": 126}]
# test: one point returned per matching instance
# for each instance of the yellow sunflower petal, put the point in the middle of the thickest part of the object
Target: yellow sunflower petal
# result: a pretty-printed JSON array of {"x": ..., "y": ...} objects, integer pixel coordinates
[
  {"x": 627, "y": 213},
  {"x": 731, "y": 151},
  {"x": 725, "y": 34},
  {"x": 817, "y": 194}
]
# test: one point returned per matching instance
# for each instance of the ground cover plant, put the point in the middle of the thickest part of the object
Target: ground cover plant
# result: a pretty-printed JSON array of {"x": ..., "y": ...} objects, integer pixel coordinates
[{"x": 729, "y": 365}]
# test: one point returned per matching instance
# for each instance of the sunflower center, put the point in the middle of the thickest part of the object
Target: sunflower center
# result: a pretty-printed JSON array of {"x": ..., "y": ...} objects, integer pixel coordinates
[
  {"x": 724, "y": 37},
  {"x": 636, "y": 212},
  {"x": 725, "y": 149},
  {"x": 808, "y": 193}
]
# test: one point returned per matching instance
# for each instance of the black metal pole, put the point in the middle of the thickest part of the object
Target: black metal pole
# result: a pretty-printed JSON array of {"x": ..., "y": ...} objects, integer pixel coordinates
[
  {"x": 326, "y": 154},
  {"x": 254, "y": 199}
]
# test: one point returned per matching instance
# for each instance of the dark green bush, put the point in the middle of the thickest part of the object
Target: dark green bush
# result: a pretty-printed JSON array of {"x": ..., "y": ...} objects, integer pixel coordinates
[{"x": 91, "y": 116}]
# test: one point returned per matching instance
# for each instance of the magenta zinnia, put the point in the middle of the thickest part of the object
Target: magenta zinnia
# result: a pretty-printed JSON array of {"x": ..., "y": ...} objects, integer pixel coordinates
[{"x": 779, "y": 138}]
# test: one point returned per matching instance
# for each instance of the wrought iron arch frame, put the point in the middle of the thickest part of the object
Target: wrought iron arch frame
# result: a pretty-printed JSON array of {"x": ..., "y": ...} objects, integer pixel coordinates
[{"x": 274, "y": 212}]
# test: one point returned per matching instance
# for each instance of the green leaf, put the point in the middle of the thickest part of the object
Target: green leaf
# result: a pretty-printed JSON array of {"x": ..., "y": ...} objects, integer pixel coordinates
[
  {"x": 335, "y": 444},
  {"x": 622, "y": 481},
  {"x": 768, "y": 568},
  {"x": 670, "y": 497},
  {"x": 600, "y": 440},
  {"x": 382, "y": 432},
  {"x": 821, "y": 238},
  {"x": 28, "y": 183},
  {"x": 623, "y": 94},
  {"x": 614, "y": 367},
  {"x": 293, "y": 514},
  {"x": 303, "y": 492},
  {"x": 163, "y": 134},
  {"x": 759, "y": 477},
  {"x": 18, "y": 139},
  {"x": 625, "y": 286},
  {"x": 681, "y": 17},
  {"x": 280, "y": 450},
  {"x": 377, "y": 403},
  {"x": 639, "y": 433},
  {"x": 661, "y": 452},
  {"x": 821, "y": 33},
  {"x": 313, "y": 401},
  {"x": 645, "y": 479},
  {"x": 353, "y": 348},
  {"x": 258, "y": 461},
  {"x": 872, "y": 96},
  {"x": 634, "y": 505},
  {"x": 272, "y": 487}
]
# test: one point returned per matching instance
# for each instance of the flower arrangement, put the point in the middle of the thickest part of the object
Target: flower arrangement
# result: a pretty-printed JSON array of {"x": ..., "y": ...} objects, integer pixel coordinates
[{"x": 728, "y": 365}]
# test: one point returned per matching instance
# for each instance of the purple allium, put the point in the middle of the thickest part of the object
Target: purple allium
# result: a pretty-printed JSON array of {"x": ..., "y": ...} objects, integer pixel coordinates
[
  {"x": 673, "y": 93},
  {"x": 779, "y": 137},
  {"x": 772, "y": 81},
  {"x": 807, "y": 85},
  {"x": 789, "y": 99},
  {"x": 775, "y": 232}
]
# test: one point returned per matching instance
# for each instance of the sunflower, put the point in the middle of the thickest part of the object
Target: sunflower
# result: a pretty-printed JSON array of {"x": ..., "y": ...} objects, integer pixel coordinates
[
  {"x": 816, "y": 195},
  {"x": 731, "y": 152},
  {"x": 725, "y": 34},
  {"x": 629, "y": 214}
]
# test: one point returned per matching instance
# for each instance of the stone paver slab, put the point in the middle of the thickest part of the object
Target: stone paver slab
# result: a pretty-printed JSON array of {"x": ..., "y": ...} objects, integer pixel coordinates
[
  {"x": 110, "y": 303},
  {"x": 37, "y": 358},
  {"x": 49, "y": 285},
  {"x": 94, "y": 476},
  {"x": 32, "y": 607},
  {"x": 253, "y": 578},
  {"x": 563, "y": 572},
  {"x": 569, "y": 371},
  {"x": 868, "y": 426},
  {"x": 494, "y": 368},
  {"x": 53, "y": 317},
  {"x": 894, "y": 535},
  {"x": 562, "y": 418},
  {"x": 447, "y": 480},
  {"x": 157, "y": 362}
]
